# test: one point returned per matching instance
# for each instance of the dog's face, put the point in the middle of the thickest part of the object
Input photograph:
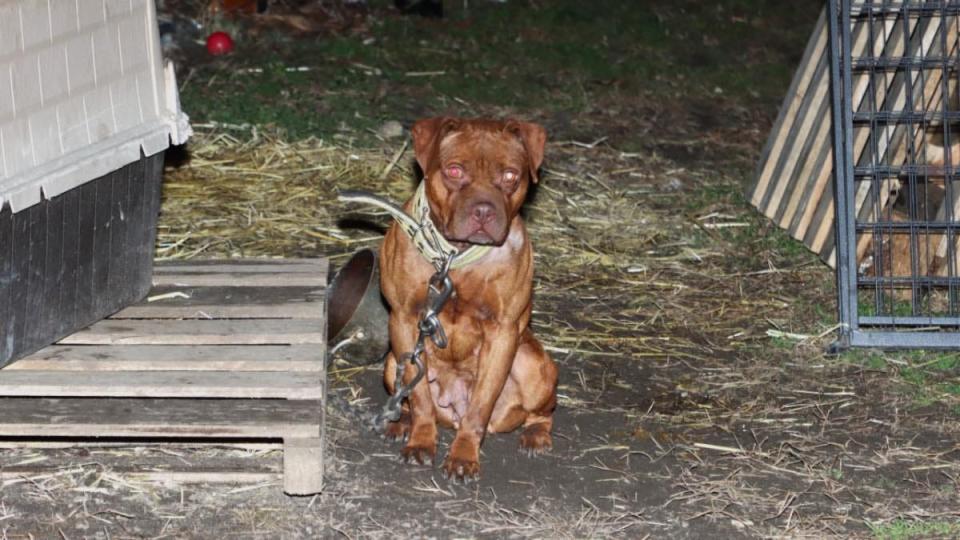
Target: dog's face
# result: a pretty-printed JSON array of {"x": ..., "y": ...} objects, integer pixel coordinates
[{"x": 477, "y": 173}]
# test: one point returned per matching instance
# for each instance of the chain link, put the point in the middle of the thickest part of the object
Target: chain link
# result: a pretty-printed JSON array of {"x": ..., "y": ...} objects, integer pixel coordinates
[{"x": 439, "y": 290}]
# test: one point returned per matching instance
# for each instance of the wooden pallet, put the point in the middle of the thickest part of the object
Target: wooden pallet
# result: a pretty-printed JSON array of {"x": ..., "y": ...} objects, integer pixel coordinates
[
  {"x": 219, "y": 350},
  {"x": 793, "y": 184}
]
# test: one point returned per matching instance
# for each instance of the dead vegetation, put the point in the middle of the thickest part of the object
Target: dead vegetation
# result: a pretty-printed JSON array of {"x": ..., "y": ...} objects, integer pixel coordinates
[
  {"x": 694, "y": 395},
  {"x": 663, "y": 300}
]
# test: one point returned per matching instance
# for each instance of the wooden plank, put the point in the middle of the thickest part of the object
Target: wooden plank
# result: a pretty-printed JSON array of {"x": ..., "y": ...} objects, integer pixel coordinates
[
  {"x": 303, "y": 466},
  {"x": 61, "y": 443},
  {"x": 805, "y": 186},
  {"x": 817, "y": 170},
  {"x": 164, "y": 418},
  {"x": 160, "y": 384},
  {"x": 274, "y": 311},
  {"x": 792, "y": 178},
  {"x": 259, "y": 266},
  {"x": 103, "y": 205},
  {"x": 240, "y": 279},
  {"x": 20, "y": 475},
  {"x": 201, "y": 332},
  {"x": 816, "y": 49},
  {"x": 817, "y": 222},
  {"x": 792, "y": 188},
  {"x": 243, "y": 273},
  {"x": 86, "y": 266},
  {"x": 307, "y": 358},
  {"x": 172, "y": 302},
  {"x": 791, "y": 155},
  {"x": 48, "y": 312}
]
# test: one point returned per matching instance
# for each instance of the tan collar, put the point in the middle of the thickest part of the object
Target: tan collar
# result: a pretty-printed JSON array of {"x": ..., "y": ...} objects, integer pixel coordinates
[{"x": 421, "y": 229}]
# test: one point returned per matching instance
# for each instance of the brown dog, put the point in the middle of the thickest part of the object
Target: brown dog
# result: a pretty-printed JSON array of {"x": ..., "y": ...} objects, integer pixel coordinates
[{"x": 493, "y": 376}]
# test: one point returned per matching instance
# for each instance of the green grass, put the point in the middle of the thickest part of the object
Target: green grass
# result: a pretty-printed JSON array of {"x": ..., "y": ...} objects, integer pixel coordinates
[
  {"x": 563, "y": 57},
  {"x": 928, "y": 377},
  {"x": 906, "y": 530}
]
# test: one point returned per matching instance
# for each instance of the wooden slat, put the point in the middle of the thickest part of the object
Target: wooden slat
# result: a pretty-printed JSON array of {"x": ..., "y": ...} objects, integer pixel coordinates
[
  {"x": 789, "y": 185},
  {"x": 200, "y": 332},
  {"x": 155, "y": 384},
  {"x": 806, "y": 187},
  {"x": 19, "y": 475},
  {"x": 800, "y": 138},
  {"x": 239, "y": 279},
  {"x": 215, "y": 302},
  {"x": 256, "y": 373},
  {"x": 816, "y": 49},
  {"x": 820, "y": 214},
  {"x": 302, "y": 466},
  {"x": 276, "y": 311},
  {"x": 173, "y": 358},
  {"x": 792, "y": 184},
  {"x": 188, "y": 418},
  {"x": 259, "y": 266},
  {"x": 243, "y": 273}
]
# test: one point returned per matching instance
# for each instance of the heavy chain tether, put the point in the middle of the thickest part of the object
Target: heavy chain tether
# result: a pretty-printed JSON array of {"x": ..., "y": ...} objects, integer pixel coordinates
[{"x": 439, "y": 290}]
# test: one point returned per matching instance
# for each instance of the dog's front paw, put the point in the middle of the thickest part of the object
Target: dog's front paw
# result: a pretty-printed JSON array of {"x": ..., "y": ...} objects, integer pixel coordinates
[
  {"x": 463, "y": 461},
  {"x": 422, "y": 454},
  {"x": 461, "y": 470},
  {"x": 399, "y": 430},
  {"x": 536, "y": 439}
]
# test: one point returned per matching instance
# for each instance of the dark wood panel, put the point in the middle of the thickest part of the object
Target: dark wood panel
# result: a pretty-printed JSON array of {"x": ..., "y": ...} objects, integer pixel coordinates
[{"x": 219, "y": 418}]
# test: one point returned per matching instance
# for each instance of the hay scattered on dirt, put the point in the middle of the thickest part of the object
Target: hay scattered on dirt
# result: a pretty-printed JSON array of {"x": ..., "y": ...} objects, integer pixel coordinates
[
  {"x": 657, "y": 309},
  {"x": 602, "y": 245}
]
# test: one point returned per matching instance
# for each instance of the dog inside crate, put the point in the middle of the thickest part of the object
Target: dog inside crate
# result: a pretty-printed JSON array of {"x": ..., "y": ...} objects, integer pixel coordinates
[{"x": 908, "y": 256}]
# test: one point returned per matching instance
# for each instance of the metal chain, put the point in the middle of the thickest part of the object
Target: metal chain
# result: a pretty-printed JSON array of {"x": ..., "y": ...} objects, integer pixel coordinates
[{"x": 439, "y": 290}]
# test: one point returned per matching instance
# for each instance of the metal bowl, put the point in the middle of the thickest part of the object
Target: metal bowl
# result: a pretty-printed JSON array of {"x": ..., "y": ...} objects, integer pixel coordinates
[{"x": 357, "y": 330}]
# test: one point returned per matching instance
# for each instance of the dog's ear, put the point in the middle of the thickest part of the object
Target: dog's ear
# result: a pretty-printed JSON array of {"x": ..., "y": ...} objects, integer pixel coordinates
[
  {"x": 427, "y": 135},
  {"x": 534, "y": 139}
]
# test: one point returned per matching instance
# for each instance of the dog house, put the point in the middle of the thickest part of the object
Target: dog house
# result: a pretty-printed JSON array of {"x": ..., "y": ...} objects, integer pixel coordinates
[{"x": 87, "y": 109}]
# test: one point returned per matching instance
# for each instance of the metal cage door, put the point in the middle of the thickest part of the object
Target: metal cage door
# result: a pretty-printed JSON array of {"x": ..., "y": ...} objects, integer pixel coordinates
[{"x": 896, "y": 129}]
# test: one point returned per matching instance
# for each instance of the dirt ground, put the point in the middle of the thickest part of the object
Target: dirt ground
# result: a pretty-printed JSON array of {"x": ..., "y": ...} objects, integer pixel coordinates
[{"x": 695, "y": 399}]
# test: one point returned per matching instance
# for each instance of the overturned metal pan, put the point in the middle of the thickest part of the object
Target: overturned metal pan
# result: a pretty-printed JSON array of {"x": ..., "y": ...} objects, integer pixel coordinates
[{"x": 357, "y": 330}]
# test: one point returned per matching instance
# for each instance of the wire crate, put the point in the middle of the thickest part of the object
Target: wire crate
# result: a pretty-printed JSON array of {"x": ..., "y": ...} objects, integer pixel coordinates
[{"x": 896, "y": 148}]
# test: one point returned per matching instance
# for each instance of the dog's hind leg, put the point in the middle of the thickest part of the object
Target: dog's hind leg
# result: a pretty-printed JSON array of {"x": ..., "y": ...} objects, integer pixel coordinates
[
  {"x": 538, "y": 393},
  {"x": 529, "y": 397}
]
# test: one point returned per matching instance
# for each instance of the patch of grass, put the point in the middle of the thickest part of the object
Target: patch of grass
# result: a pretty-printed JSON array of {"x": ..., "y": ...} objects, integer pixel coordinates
[
  {"x": 714, "y": 195},
  {"x": 926, "y": 376},
  {"x": 563, "y": 57},
  {"x": 870, "y": 359},
  {"x": 782, "y": 343},
  {"x": 901, "y": 529},
  {"x": 825, "y": 315}
]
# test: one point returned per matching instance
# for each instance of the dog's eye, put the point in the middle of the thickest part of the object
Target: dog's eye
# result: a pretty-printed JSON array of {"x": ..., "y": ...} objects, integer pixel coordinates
[
  {"x": 510, "y": 176},
  {"x": 454, "y": 171}
]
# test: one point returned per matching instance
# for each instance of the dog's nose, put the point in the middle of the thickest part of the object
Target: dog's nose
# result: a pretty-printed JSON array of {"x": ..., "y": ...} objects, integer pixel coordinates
[{"x": 483, "y": 213}]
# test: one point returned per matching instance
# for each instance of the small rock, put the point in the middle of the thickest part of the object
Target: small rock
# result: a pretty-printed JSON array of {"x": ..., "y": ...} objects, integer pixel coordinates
[
  {"x": 391, "y": 130},
  {"x": 675, "y": 184}
]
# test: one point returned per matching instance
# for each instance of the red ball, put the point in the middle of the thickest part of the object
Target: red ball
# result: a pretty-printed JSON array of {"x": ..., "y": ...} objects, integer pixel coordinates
[{"x": 219, "y": 43}]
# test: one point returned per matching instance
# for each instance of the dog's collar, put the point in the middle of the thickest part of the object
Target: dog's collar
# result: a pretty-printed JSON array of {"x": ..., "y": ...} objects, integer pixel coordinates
[{"x": 421, "y": 229}]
